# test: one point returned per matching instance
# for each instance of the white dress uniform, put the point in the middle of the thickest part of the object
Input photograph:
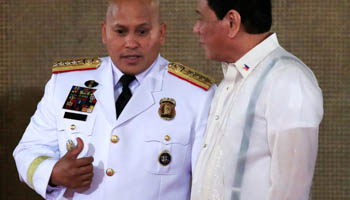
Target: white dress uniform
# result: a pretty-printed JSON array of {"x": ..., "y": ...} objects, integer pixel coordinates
[
  {"x": 262, "y": 135},
  {"x": 140, "y": 155}
]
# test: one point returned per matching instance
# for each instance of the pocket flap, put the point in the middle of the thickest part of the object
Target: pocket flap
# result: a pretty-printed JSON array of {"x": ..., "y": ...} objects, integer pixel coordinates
[{"x": 168, "y": 137}]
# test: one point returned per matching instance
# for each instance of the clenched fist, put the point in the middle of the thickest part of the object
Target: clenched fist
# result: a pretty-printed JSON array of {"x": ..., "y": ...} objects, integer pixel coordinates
[{"x": 71, "y": 172}]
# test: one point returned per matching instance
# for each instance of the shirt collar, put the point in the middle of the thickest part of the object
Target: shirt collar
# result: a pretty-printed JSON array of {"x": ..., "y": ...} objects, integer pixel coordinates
[
  {"x": 117, "y": 74},
  {"x": 247, "y": 63}
]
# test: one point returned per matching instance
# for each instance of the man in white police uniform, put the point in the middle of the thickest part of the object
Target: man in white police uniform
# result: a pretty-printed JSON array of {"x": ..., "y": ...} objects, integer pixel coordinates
[
  {"x": 127, "y": 127},
  {"x": 262, "y": 134}
]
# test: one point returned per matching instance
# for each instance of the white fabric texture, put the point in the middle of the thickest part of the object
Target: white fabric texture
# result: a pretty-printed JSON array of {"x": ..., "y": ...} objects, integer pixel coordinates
[
  {"x": 141, "y": 131},
  {"x": 283, "y": 144}
]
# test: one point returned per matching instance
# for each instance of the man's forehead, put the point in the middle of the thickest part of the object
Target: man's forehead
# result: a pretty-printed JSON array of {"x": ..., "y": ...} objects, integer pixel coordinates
[
  {"x": 128, "y": 19},
  {"x": 132, "y": 8},
  {"x": 146, "y": 3},
  {"x": 202, "y": 4},
  {"x": 128, "y": 25},
  {"x": 139, "y": 1}
]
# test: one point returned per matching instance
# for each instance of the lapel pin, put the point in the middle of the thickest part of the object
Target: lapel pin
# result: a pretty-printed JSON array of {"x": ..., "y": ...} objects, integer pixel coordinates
[
  {"x": 91, "y": 83},
  {"x": 246, "y": 67}
]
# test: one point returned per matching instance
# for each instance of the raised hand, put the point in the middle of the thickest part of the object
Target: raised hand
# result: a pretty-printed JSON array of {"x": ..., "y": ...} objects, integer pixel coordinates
[{"x": 71, "y": 172}]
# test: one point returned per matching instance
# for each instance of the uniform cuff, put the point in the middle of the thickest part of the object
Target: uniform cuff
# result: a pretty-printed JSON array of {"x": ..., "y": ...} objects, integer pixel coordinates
[{"x": 42, "y": 176}]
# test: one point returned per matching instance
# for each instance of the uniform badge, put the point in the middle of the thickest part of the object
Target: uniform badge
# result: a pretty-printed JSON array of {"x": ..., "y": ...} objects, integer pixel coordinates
[
  {"x": 167, "y": 108},
  {"x": 164, "y": 158},
  {"x": 91, "y": 84},
  {"x": 80, "y": 99},
  {"x": 70, "y": 145}
]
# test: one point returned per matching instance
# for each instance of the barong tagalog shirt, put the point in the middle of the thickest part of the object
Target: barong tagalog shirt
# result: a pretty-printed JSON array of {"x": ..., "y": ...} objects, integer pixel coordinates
[{"x": 262, "y": 133}]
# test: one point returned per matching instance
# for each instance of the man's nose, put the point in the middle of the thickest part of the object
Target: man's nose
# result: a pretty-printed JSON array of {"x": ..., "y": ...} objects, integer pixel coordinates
[
  {"x": 131, "y": 42},
  {"x": 196, "y": 28}
]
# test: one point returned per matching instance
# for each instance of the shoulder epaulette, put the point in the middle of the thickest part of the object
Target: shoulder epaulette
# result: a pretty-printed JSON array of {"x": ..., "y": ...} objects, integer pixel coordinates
[
  {"x": 186, "y": 73},
  {"x": 79, "y": 64}
]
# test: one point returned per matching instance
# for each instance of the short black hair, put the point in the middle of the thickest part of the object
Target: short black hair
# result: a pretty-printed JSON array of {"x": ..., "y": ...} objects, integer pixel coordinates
[{"x": 256, "y": 15}]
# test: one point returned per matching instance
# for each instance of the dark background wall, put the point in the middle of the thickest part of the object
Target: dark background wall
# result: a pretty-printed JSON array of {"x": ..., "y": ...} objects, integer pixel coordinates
[{"x": 33, "y": 33}]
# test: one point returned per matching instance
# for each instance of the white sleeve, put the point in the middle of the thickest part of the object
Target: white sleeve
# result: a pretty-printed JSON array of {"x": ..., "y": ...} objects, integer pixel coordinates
[
  {"x": 295, "y": 110},
  {"x": 201, "y": 124},
  {"x": 294, "y": 153},
  {"x": 37, "y": 152}
]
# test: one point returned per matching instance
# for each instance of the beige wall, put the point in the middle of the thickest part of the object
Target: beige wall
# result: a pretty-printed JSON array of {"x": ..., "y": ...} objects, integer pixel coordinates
[{"x": 35, "y": 32}]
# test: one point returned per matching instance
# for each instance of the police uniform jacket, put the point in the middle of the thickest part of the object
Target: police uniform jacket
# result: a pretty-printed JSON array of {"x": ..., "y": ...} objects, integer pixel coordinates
[{"x": 127, "y": 151}]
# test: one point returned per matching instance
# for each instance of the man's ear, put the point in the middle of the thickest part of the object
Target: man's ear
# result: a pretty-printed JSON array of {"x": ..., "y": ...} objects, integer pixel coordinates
[
  {"x": 162, "y": 30},
  {"x": 103, "y": 31},
  {"x": 233, "y": 21}
]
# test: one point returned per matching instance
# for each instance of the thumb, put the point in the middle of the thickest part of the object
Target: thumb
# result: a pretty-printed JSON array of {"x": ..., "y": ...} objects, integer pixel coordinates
[{"x": 76, "y": 151}]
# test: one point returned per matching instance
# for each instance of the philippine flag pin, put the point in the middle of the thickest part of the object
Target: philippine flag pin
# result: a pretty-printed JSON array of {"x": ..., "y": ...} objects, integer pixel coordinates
[{"x": 246, "y": 68}]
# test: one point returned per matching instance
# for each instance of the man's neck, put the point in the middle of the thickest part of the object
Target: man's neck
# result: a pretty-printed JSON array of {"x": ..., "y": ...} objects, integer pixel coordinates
[{"x": 246, "y": 42}]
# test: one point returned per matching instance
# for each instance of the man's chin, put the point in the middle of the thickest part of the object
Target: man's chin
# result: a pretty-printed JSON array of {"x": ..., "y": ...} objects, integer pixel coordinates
[
  {"x": 212, "y": 57},
  {"x": 132, "y": 68}
]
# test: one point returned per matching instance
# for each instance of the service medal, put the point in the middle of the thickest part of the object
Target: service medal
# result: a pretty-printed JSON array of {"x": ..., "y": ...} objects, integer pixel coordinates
[{"x": 80, "y": 99}]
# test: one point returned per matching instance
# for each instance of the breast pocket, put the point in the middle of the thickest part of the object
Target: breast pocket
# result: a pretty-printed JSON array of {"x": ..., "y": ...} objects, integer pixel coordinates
[
  {"x": 167, "y": 152},
  {"x": 68, "y": 130}
]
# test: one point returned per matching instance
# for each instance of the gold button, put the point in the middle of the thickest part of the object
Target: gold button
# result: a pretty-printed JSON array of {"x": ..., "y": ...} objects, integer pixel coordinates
[
  {"x": 109, "y": 172},
  {"x": 114, "y": 138},
  {"x": 72, "y": 127},
  {"x": 167, "y": 138}
]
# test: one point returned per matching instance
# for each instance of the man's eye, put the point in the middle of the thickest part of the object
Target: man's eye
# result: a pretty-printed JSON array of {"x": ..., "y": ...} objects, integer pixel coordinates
[
  {"x": 142, "y": 31},
  {"x": 120, "y": 31}
]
